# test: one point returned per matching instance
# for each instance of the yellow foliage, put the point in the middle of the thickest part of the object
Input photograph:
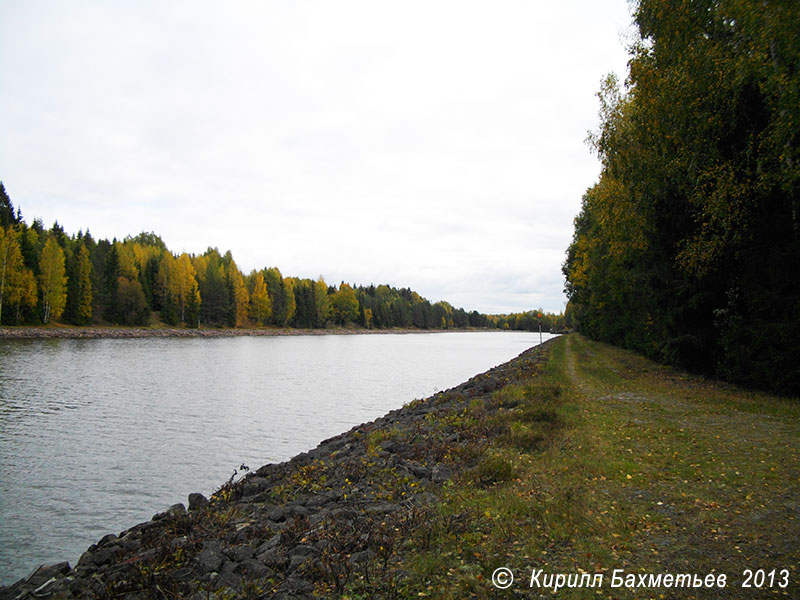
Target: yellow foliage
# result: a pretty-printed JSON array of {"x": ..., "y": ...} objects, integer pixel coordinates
[
  {"x": 260, "y": 304},
  {"x": 52, "y": 280},
  {"x": 17, "y": 284}
]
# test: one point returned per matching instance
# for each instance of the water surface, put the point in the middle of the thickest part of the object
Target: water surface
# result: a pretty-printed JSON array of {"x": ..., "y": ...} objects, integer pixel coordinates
[{"x": 97, "y": 435}]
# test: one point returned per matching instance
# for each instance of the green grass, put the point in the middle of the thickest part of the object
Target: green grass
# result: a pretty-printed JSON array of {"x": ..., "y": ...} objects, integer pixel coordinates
[{"x": 605, "y": 461}]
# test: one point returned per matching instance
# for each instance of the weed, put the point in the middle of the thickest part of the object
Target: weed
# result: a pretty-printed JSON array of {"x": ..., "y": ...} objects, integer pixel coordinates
[{"x": 492, "y": 470}]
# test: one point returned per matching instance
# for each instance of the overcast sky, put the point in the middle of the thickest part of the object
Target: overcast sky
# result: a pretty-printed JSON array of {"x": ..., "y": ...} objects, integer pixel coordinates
[{"x": 434, "y": 145}]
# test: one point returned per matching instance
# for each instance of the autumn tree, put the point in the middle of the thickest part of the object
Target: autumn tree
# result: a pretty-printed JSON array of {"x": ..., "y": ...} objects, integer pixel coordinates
[
  {"x": 83, "y": 287},
  {"x": 322, "y": 303},
  {"x": 186, "y": 289},
  {"x": 238, "y": 294},
  {"x": 260, "y": 305},
  {"x": 52, "y": 280},
  {"x": 17, "y": 285},
  {"x": 290, "y": 304},
  {"x": 344, "y": 304}
]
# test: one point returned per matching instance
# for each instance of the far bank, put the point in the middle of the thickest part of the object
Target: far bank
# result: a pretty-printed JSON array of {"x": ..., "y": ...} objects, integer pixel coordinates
[{"x": 90, "y": 332}]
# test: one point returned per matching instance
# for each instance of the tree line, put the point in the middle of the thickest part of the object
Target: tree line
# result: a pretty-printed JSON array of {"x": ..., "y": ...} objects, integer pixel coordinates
[
  {"x": 688, "y": 246},
  {"x": 46, "y": 276}
]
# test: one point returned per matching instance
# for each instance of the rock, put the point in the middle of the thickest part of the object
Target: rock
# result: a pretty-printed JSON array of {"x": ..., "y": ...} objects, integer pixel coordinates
[
  {"x": 146, "y": 526},
  {"x": 441, "y": 473},
  {"x": 241, "y": 553},
  {"x": 383, "y": 508},
  {"x": 322, "y": 499},
  {"x": 108, "y": 539},
  {"x": 176, "y": 509},
  {"x": 295, "y": 562},
  {"x": 300, "y": 554},
  {"x": 179, "y": 542},
  {"x": 362, "y": 557},
  {"x": 419, "y": 471},
  {"x": 275, "y": 558},
  {"x": 48, "y": 587},
  {"x": 253, "y": 485},
  {"x": 99, "y": 556},
  {"x": 296, "y": 510},
  {"x": 271, "y": 543},
  {"x": 209, "y": 560},
  {"x": 197, "y": 501},
  {"x": 304, "y": 550},
  {"x": 277, "y": 514},
  {"x": 255, "y": 569},
  {"x": 42, "y": 577},
  {"x": 390, "y": 446},
  {"x": 295, "y": 586}
]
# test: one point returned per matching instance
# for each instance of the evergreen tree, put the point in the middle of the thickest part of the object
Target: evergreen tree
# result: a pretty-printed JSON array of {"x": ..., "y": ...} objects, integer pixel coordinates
[
  {"x": 111, "y": 275},
  {"x": 216, "y": 304},
  {"x": 281, "y": 297},
  {"x": 83, "y": 313},
  {"x": 7, "y": 217},
  {"x": 129, "y": 303}
]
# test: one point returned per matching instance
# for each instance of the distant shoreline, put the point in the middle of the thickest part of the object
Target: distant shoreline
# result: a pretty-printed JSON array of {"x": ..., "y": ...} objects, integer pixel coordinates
[{"x": 71, "y": 332}]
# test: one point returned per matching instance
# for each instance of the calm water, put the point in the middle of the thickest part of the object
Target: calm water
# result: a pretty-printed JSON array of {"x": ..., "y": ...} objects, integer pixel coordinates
[{"x": 98, "y": 435}]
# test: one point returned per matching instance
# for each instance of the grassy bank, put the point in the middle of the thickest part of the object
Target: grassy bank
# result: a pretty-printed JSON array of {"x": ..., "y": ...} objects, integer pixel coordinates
[{"x": 606, "y": 461}]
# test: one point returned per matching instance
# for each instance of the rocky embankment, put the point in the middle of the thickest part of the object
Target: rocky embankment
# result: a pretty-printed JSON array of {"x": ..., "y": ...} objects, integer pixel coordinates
[{"x": 306, "y": 527}]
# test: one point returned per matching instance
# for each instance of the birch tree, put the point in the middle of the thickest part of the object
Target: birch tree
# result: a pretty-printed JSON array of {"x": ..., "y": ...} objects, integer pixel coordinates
[{"x": 52, "y": 280}]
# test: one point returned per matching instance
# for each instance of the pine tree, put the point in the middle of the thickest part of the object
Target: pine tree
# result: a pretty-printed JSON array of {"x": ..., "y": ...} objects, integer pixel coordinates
[
  {"x": 7, "y": 217},
  {"x": 110, "y": 282}
]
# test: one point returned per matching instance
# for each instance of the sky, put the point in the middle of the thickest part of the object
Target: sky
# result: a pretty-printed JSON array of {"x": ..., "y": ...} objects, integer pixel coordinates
[{"x": 436, "y": 145}]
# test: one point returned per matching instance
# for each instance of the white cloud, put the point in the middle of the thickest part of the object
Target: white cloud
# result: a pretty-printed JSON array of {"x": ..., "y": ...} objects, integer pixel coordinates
[{"x": 435, "y": 145}]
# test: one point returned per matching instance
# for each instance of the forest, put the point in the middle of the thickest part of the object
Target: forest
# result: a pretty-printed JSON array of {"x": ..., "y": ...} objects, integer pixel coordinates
[
  {"x": 687, "y": 248},
  {"x": 48, "y": 276}
]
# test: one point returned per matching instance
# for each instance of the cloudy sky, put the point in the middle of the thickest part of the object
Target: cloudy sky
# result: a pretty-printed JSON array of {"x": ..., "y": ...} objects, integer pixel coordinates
[{"x": 437, "y": 145}]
